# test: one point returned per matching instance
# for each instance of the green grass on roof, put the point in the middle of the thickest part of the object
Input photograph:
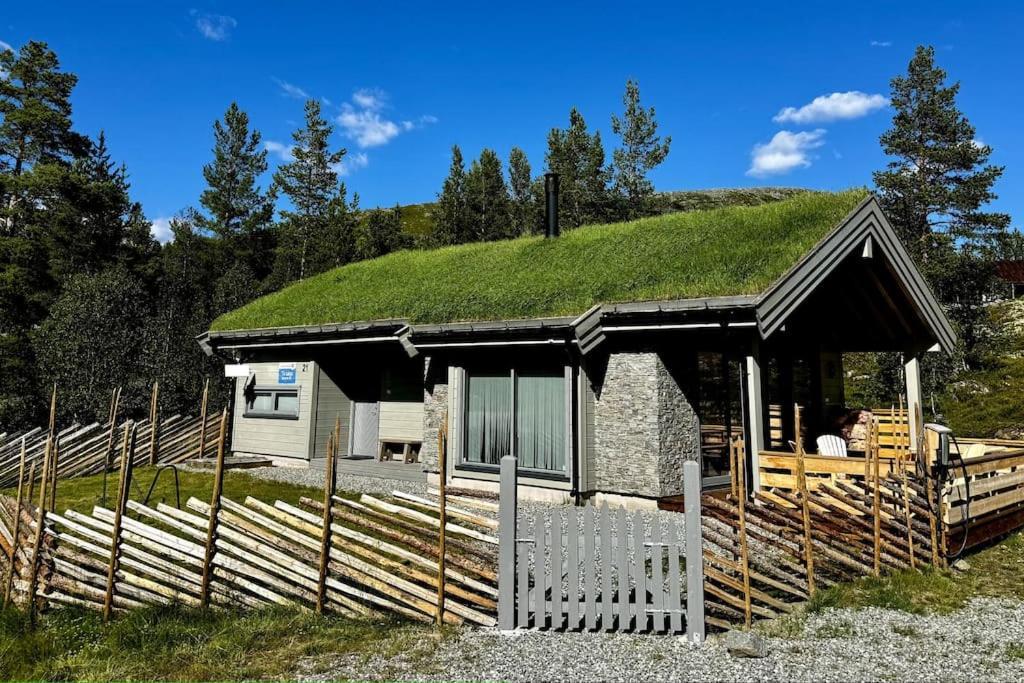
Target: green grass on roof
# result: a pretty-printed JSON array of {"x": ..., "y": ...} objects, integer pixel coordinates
[{"x": 727, "y": 251}]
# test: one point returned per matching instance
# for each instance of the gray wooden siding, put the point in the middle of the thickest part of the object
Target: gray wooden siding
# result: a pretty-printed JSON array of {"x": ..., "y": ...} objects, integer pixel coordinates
[
  {"x": 331, "y": 403},
  {"x": 401, "y": 420},
  {"x": 275, "y": 437},
  {"x": 588, "y": 452}
]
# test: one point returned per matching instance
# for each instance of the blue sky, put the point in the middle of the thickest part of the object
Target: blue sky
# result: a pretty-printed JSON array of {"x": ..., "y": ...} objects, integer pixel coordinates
[{"x": 406, "y": 81}]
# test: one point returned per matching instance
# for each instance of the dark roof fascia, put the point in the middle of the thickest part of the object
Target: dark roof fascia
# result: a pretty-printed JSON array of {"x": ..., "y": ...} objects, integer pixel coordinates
[
  {"x": 493, "y": 330},
  {"x": 304, "y": 334},
  {"x": 866, "y": 220}
]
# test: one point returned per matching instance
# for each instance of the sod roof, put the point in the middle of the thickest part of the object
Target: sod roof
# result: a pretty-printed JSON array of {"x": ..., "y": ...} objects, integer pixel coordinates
[{"x": 719, "y": 252}]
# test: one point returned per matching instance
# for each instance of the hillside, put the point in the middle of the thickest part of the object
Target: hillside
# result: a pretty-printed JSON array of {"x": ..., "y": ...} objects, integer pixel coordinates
[{"x": 716, "y": 252}]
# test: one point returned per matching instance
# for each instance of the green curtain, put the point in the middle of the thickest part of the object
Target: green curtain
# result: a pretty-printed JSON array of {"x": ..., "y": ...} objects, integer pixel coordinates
[
  {"x": 540, "y": 421},
  {"x": 488, "y": 418}
]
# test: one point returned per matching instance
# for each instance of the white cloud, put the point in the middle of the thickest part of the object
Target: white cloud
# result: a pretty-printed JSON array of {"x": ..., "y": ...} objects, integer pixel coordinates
[
  {"x": 978, "y": 143},
  {"x": 161, "y": 230},
  {"x": 881, "y": 43},
  {"x": 370, "y": 98},
  {"x": 784, "y": 152},
  {"x": 350, "y": 163},
  {"x": 291, "y": 90},
  {"x": 280, "y": 150},
  {"x": 362, "y": 119},
  {"x": 5, "y": 46},
  {"x": 838, "y": 105},
  {"x": 214, "y": 26}
]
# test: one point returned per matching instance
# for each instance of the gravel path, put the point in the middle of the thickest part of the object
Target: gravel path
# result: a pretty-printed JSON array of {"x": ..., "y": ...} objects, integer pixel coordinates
[
  {"x": 315, "y": 478},
  {"x": 983, "y": 641}
]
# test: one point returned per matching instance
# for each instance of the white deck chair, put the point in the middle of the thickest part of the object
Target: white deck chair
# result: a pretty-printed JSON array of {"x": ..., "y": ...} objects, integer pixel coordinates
[{"x": 830, "y": 444}]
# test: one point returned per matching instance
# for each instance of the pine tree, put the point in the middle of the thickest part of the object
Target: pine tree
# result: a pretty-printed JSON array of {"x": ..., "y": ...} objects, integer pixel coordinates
[
  {"x": 237, "y": 206},
  {"x": 642, "y": 150},
  {"x": 310, "y": 182},
  {"x": 523, "y": 210},
  {"x": 380, "y": 232},
  {"x": 934, "y": 190},
  {"x": 578, "y": 158},
  {"x": 487, "y": 199},
  {"x": 452, "y": 219}
]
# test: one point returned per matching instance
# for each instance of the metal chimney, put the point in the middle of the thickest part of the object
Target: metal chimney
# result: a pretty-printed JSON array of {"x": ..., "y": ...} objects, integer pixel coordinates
[{"x": 551, "y": 205}]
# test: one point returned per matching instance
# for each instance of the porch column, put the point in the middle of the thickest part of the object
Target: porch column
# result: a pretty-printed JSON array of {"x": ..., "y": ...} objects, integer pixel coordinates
[
  {"x": 754, "y": 410},
  {"x": 912, "y": 375}
]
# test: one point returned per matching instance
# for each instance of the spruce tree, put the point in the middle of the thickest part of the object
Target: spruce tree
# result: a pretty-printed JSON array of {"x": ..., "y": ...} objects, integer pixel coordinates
[
  {"x": 642, "y": 150},
  {"x": 487, "y": 199},
  {"x": 233, "y": 198},
  {"x": 578, "y": 158},
  {"x": 310, "y": 181},
  {"x": 452, "y": 219},
  {"x": 935, "y": 188},
  {"x": 523, "y": 209},
  {"x": 380, "y": 232}
]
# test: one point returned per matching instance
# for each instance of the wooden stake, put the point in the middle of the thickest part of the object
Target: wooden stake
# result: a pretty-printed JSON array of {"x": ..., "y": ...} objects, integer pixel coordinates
[
  {"x": 9, "y": 582},
  {"x": 876, "y": 505},
  {"x": 202, "y": 418},
  {"x": 37, "y": 542},
  {"x": 801, "y": 482},
  {"x": 218, "y": 485},
  {"x": 732, "y": 468},
  {"x": 442, "y": 453},
  {"x": 325, "y": 535},
  {"x": 744, "y": 557},
  {"x": 56, "y": 449},
  {"x": 153, "y": 420},
  {"x": 123, "y": 482},
  {"x": 905, "y": 460},
  {"x": 115, "y": 401}
]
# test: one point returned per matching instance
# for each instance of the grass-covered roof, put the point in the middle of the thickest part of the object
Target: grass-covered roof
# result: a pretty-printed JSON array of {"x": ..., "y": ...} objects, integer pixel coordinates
[{"x": 720, "y": 252}]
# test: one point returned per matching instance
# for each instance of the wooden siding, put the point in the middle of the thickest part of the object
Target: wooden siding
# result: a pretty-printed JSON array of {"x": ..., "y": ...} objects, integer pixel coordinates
[
  {"x": 588, "y": 456},
  {"x": 270, "y": 436},
  {"x": 401, "y": 420},
  {"x": 331, "y": 404}
]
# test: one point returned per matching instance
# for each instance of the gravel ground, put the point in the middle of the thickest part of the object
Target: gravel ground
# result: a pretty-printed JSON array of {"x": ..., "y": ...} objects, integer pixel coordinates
[
  {"x": 983, "y": 641},
  {"x": 314, "y": 477}
]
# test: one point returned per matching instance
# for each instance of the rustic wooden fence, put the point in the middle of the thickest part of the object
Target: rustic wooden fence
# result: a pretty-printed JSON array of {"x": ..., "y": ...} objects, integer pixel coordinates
[
  {"x": 81, "y": 450},
  {"x": 346, "y": 556}
]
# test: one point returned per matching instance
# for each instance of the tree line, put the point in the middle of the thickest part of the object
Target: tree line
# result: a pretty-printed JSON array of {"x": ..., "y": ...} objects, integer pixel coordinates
[{"x": 89, "y": 300}]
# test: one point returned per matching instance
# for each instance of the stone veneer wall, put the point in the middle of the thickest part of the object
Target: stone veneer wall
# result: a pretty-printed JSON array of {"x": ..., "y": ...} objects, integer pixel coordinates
[
  {"x": 644, "y": 428},
  {"x": 435, "y": 407}
]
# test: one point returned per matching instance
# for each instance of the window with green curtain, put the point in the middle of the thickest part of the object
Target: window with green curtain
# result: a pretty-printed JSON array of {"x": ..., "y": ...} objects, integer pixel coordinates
[
  {"x": 488, "y": 418},
  {"x": 540, "y": 421}
]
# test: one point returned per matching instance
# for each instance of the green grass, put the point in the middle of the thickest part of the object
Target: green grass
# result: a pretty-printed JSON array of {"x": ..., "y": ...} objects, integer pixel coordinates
[
  {"x": 998, "y": 406},
  {"x": 181, "y": 644},
  {"x": 83, "y": 493},
  {"x": 727, "y": 251}
]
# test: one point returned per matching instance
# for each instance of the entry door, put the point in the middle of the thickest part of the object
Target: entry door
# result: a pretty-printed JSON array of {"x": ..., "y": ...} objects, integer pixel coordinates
[
  {"x": 720, "y": 409},
  {"x": 365, "y": 424}
]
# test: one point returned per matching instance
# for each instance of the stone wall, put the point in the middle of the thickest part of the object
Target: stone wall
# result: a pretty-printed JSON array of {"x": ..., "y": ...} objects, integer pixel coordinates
[
  {"x": 678, "y": 430},
  {"x": 435, "y": 408}
]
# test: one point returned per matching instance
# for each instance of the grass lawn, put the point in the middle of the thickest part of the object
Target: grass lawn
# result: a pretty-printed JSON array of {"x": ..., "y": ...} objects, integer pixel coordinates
[
  {"x": 180, "y": 644},
  {"x": 83, "y": 493},
  {"x": 725, "y": 251}
]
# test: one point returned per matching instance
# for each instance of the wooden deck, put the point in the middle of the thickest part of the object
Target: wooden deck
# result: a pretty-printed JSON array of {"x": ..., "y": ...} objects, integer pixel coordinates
[{"x": 365, "y": 466}]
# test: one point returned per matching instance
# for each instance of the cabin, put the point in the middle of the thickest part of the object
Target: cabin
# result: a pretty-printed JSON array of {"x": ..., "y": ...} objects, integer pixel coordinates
[{"x": 603, "y": 358}]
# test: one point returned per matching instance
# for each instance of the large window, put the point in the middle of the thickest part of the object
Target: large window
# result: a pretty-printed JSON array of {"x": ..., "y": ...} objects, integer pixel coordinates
[
  {"x": 272, "y": 402},
  {"x": 534, "y": 402}
]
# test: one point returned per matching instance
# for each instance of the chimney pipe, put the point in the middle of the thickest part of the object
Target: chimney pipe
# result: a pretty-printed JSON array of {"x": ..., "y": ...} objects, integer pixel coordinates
[{"x": 551, "y": 205}]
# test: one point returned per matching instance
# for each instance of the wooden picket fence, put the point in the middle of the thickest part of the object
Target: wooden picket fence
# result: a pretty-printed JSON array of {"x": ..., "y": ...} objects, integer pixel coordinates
[
  {"x": 337, "y": 555},
  {"x": 82, "y": 450}
]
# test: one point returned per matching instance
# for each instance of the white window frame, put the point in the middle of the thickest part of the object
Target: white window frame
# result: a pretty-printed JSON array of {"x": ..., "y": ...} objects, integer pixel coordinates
[{"x": 273, "y": 414}]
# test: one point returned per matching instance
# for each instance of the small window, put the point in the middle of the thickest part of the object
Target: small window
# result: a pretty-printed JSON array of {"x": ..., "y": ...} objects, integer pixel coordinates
[{"x": 272, "y": 402}]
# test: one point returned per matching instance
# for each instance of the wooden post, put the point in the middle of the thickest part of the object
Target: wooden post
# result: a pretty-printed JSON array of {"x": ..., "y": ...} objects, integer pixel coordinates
[
  {"x": 211, "y": 529},
  {"x": 55, "y": 449},
  {"x": 442, "y": 461},
  {"x": 694, "y": 553},
  {"x": 115, "y": 400},
  {"x": 805, "y": 506},
  {"x": 37, "y": 542},
  {"x": 202, "y": 418},
  {"x": 153, "y": 420},
  {"x": 744, "y": 557},
  {"x": 9, "y": 582},
  {"x": 123, "y": 483},
  {"x": 876, "y": 503},
  {"x": 507, "y": 544},
  {"x": 325, "y": 536},
  {"x": 905, "y": 460},
  {"x": 733, "y": 447}
]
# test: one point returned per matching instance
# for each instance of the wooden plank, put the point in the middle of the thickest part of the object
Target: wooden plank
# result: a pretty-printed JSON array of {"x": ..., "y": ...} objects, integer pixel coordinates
[
  {"x": 675, "y": 603},
  {"x": 621, "y": 545},
  {"x": 557, "y": 545},
  {"x": 607, "y": 567},
  {"x": 657, "y": 577},
  {"x": 573, "y": 567},
  {"x": 523, "y": 571},
  {"x": 984, "y": 506},
  {"x": 124, "y": 481},
  {"x": 639, "y": 574},
  {"x": 218, "y": 487},
  {"x": 589, "y": 561},
  {"x": 540, "y": 617}
]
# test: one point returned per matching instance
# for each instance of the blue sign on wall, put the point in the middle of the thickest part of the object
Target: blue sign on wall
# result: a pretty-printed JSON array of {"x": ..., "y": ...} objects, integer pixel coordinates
[{"x": 286, "y": 375}]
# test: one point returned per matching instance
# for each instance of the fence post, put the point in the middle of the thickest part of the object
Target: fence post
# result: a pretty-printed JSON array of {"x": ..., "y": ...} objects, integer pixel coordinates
[
  {"x": 325, "y": 535},
  {"x": 805, "y": 509},
  {"x": 153, "y": 426},
  {"x": 37, "y": 541},
  {"x": 442, "y": 458},
  {"x": 694, "y": 553},
  {"x": 874, "y": 450},
  {"x": 744, "y": 555},
  {"x": 17, "y": 524},
  {"x": 202, "y": 418},
  {"x": 123, "y": 483},
  {"x": 506, "y": 544},
  {"x": 211, "y": 529},
  {"x": 55, "y": 447},
  {"x": 115, "y": 402}
]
